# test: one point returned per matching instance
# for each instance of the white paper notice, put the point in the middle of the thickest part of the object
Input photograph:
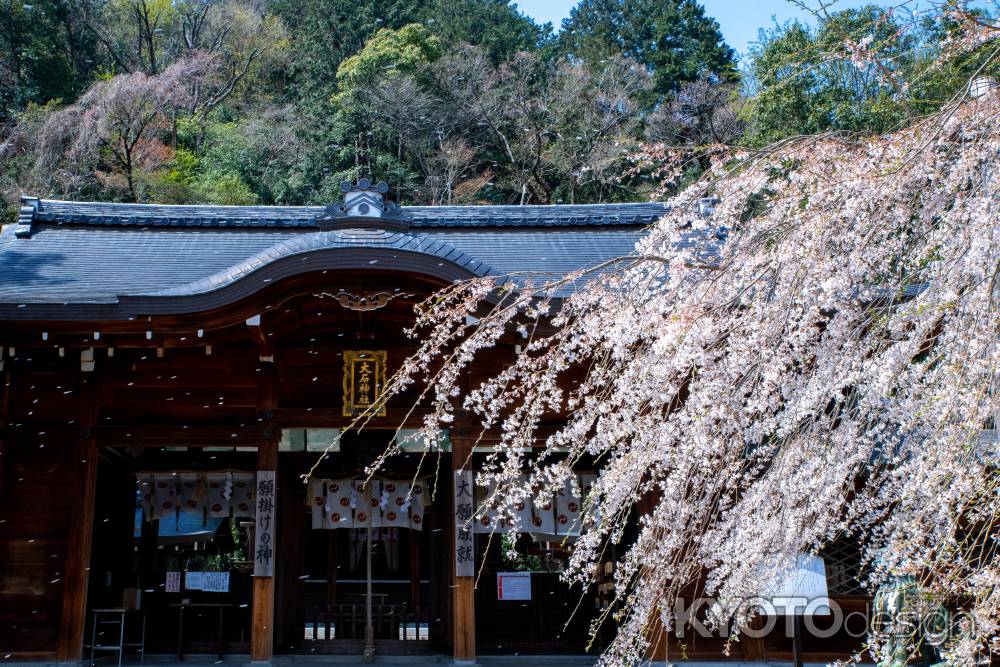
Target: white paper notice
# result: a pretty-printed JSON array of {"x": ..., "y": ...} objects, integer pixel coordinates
[
  {"x": 194, "y": 581},
  {"x": 513, "y": 585},
  {"x": 173, "y": 582},
  {"x": 215, "y": 582}
]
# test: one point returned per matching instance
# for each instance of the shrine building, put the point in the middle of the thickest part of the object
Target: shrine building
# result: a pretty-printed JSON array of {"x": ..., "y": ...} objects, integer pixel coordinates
[{"x": 170, "y": 375}]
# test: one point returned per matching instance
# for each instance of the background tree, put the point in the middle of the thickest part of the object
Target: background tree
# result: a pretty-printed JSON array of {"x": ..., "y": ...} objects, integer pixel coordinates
[
  {"x": 673, "y": 39},
  {"x": 111, "y": 133},
  {"x": 500, "y": 110},
  {"x": 805, "y": 80},
  {"x": 43, "y": 55}
]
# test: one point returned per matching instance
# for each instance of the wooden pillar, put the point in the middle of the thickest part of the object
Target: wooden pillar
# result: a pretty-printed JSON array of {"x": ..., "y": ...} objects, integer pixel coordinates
[
  {"x": 262, "y": 617},
  {"x": 81, "y": 535},
  {"x": 754, "y": 649},
  {"x": 331, "y": 567},
  {"x": 414, "y": 569},
  {"x": 463, "y": 588},
  {"x": 4, "y": 413},
  {"x": 289, "y": 611}
]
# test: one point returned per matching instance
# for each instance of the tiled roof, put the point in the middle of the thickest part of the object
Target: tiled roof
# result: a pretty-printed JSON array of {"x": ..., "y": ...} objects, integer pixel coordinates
[
  {"x": 292, "y": 217},
  {"x": 97, "y": 260}
]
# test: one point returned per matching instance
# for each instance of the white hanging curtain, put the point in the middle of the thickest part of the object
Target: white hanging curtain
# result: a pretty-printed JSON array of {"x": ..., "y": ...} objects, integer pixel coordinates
[
  {"x": 419, "y": 500},
  {"x": 340, "y": 503},
  {"x": 486, "y": 516},
  {"x": 317, "y": 501},
  {"x": 219, "y": 491},
  {"x": 396, "y": 511},
  {"x": 543, "y": 518},
  {"x": 146, "y": 495},
  {"x": 243, "y": 494},
  {"x": 386, "y": 503},
  {"x": 368, "y": 512},
  {"x": 587, "y": 481},
  {"x": 568, "y": 508},
  {"x": 192, "y": 498},
  {"x": 164, "y": 495},
  {"x": 523, "y": 508}
]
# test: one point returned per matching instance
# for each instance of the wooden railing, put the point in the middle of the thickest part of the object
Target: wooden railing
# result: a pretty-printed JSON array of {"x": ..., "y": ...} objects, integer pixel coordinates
[{"x": 347, "y": 621}]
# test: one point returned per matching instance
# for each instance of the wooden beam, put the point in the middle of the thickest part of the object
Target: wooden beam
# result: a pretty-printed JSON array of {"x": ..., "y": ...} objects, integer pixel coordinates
[
  {"x": 463, "y": 588},
  {"x": 172, "y": 435},
  {"x": 149, "y": 435},
  {"x": 265, "y": 349},
  {"x": 77, "y": 567},
  {"x": 324, "y": 417}
]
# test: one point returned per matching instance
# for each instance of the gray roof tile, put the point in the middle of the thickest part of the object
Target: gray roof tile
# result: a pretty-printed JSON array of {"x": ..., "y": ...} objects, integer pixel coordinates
[
  {"x": 95, "y": 253},
  {"x": 290, "y": 217}
]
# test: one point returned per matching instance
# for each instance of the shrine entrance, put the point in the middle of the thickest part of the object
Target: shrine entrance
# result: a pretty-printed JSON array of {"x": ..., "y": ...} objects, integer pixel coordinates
[{"x": 364, "y": 565}]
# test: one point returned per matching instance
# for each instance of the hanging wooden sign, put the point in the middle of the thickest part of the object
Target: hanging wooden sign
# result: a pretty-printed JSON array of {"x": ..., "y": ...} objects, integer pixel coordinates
[
  {"x": 364, "y": 380},
  {"x": 263, "y": 562},
  {"x": 465, "y": 553}
]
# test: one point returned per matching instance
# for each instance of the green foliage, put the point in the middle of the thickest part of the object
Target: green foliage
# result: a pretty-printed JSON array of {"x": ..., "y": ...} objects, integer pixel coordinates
[
  {"x": 224, "y": 188},
  {"x": 36, "y": 65},
  {"x": 806, "y": 85},
  {"x": 674, "y": 39},
  {"x": 450, "y": 101},
  {"x": 329, "y": 31},
  {"x": 495, "y": 26},
  {"x": 803, "y": 81},
  {"x": 387, "y": 54}
]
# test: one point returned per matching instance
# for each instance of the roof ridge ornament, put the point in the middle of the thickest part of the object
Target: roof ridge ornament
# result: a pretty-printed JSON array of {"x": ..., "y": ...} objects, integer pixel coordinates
[
  {"x": 26, "y": 216},
  {"x": 364, "y": 206}
]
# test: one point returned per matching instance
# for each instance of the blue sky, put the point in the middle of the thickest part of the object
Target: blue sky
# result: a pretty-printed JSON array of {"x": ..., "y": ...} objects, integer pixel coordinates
[{"x": 739, "y": 19}]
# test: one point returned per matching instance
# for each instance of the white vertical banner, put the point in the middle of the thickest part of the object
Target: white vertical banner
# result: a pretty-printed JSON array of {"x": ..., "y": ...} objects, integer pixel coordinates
[
  {"x": 241, "y": 494},
  {"x": 418, "y": 501},
  {"x": 396, "y": 513},
  {"x": 568, "y": 509},
  {"x": 486, "y": 509},
  {"x": 368, "y": 496},
  {"x": 192, "y": 500},
  {"x": 523, "y": 508},
  {"x": 340, "y": 503},
  {"x": 543, "y": 519},
  {"x": 164, "y": 495},
  {"x": 264, "y": 546},
  {"x": 465, "y": 552},
  {"x": 317, "y": 501},
  {"x": 218, "y": 500}
]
